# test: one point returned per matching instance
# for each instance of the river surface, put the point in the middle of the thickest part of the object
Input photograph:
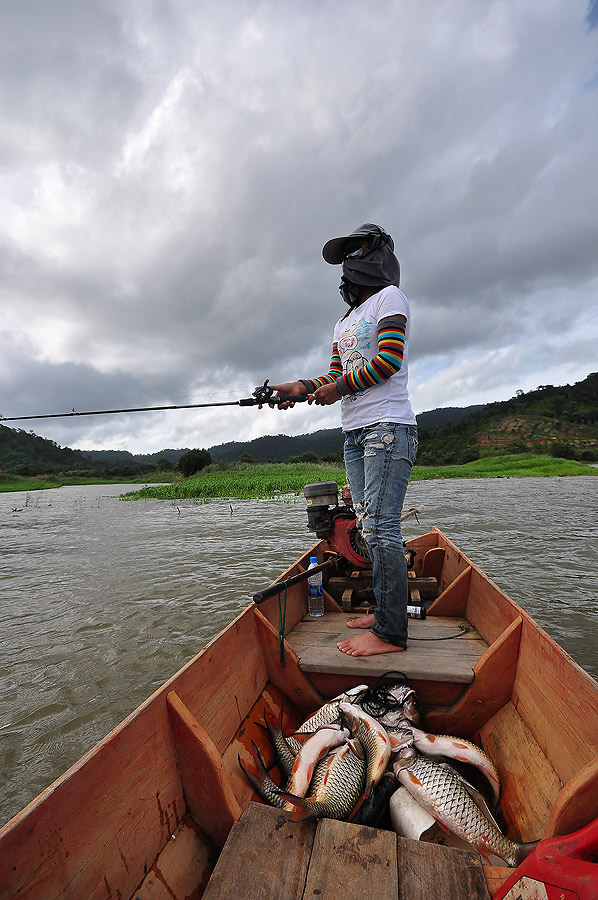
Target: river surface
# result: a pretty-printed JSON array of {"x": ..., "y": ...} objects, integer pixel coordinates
[{"x": 101, "y": 601}]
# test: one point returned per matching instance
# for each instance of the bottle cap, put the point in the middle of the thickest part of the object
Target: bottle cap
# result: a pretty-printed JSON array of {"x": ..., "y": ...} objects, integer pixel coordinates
[{"x": 313, "y": 559}]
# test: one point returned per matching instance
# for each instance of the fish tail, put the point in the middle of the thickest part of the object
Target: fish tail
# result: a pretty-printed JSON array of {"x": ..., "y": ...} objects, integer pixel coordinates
[
  {"x": 253, "y": 776},
  {"x": 259, "y": 762},
  {"x": 261, "y": 781},
  {"x": 302, "y": 809},
  {"x": 249, "y": 770},
  {"x": 270, "y": 720}
]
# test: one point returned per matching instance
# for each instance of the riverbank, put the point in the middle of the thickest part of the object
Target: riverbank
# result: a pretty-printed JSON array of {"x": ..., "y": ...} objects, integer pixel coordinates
[
  {"x": 256, "y": 480},
  {"x": 10, "y": 483},
  {"x": 253, "y": 480}
]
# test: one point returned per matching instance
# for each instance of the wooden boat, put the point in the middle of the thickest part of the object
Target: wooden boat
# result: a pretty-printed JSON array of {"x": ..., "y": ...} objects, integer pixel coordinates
[{"x": 160, "y": 808}]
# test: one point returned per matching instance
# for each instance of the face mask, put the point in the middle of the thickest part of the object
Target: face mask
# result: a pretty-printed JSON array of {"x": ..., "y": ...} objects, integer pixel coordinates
[{"x": 349, "y": 291}]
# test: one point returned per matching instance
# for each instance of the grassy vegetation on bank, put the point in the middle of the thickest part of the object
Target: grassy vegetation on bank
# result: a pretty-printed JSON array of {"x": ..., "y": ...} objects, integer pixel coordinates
[
  {"x": 255, "y": 480},
  {"x": 523, "y": 465},
  {"x": 10, "y": 482},
  {"x": 248, "y": 480}
]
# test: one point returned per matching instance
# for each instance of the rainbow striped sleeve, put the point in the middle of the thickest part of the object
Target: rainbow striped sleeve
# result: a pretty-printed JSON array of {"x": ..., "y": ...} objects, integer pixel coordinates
[
  {"x": 388, "y": 361},
  {"x": 335, "y": 371}
]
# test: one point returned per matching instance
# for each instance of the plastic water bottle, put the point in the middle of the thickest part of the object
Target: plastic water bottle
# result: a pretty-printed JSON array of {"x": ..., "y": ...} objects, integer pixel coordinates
[{"x": 315, "y": 592}]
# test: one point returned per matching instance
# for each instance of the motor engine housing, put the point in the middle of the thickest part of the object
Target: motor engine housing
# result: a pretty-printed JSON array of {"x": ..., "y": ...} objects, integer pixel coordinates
[{"x": 333, "y": 523}]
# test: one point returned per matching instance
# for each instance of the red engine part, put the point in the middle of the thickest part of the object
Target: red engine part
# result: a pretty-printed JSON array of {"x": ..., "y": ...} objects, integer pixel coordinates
[
  {"x": 559, "y": 868},
  {"x": 344, "y": 538}
]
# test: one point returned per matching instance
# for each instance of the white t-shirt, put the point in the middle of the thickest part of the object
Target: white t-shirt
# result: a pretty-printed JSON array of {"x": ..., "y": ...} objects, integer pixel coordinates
[{"x": 357, "y": 340}]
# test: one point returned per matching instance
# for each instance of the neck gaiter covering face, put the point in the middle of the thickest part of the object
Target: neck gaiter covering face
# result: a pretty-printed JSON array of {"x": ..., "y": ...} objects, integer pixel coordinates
[{"x": 378, "y": 268}]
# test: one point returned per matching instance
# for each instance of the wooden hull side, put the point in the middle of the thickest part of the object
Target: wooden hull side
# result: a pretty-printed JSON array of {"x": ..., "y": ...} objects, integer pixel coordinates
[
  {"x": 296, "y": 595},
  {"x": 100, "y": 828},
  {"x": 543, "y": 733}
]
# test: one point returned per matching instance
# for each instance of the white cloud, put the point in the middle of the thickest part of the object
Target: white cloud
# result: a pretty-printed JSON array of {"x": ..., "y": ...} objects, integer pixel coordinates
[{"x": 170, "y": 172}]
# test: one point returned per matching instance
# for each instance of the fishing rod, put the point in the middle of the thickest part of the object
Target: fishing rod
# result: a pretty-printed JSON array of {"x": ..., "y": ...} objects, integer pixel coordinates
[{"x": 261, "y": 395}]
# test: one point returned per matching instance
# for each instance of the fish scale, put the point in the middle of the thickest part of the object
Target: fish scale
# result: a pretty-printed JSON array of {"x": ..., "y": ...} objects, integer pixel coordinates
[
  {"x": 372, "y": 737},
  {"x": 329, "y": 714},
  {"x": 445, "y": 745},
  {"x": 444, "y": 796},
  {"x": 336, "y": 787}
]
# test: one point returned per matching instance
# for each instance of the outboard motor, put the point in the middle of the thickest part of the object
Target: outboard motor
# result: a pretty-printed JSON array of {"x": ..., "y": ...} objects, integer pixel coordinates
[{"x": 335, "y": 524}]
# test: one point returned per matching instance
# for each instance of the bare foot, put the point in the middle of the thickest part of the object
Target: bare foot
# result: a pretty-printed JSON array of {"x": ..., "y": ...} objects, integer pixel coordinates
[
  {"x": 366, "y": 644},
  {"x": 361, "y": 622}
]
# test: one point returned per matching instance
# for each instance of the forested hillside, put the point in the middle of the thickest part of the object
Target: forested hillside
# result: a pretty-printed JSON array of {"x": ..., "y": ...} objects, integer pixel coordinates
[
  {"x": 561, "y": 421},
  {"x": 25, "y": 453}
]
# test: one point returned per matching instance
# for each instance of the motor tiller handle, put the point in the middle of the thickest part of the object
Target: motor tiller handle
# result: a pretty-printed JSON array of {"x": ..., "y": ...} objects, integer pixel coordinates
[{"x": 279, "y": 586}]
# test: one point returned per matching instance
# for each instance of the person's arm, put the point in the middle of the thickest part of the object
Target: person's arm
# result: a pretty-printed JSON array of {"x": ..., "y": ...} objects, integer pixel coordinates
[{"x": 388, "y": 361}]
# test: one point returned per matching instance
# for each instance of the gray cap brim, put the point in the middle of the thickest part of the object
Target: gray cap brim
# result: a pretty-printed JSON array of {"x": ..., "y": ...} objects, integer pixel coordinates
[{"x": 333, "y": 250}]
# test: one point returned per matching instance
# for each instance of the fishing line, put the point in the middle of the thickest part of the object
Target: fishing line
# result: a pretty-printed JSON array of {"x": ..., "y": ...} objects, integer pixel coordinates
[
  {"x": 378, "y": 700},
  {"x": 463, "y": 630}
]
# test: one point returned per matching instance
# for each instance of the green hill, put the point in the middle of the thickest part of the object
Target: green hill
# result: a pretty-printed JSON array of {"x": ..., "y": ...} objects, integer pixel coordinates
[
  {"x": 107, "y": 458},
  {"x": 560, "y": 421},
  {"x": 25, "y": 453},
  {"x": 327, "y": 442}
]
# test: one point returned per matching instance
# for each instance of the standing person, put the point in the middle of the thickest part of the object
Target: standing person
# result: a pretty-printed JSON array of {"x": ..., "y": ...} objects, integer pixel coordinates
[{"x": 368, "y": 374}]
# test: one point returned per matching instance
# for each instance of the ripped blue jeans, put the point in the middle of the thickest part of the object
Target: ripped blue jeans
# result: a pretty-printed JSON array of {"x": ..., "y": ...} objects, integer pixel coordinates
[{"x": 378, "y": 460}]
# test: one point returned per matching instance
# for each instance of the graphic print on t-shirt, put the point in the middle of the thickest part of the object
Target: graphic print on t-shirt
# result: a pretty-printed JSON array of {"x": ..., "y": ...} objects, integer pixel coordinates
[{"x": 354, "y": 361}]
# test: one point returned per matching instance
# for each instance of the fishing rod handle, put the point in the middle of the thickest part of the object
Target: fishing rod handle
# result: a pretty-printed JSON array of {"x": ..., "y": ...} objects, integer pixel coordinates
[{"x": 265, "y": 394}]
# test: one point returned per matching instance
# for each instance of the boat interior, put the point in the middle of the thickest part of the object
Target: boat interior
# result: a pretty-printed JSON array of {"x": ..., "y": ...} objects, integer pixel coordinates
[{"x": 147, "y": 812}]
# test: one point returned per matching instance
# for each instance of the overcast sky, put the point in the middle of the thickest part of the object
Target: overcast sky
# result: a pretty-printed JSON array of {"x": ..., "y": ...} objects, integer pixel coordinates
[{"x": 170, "y": 170}]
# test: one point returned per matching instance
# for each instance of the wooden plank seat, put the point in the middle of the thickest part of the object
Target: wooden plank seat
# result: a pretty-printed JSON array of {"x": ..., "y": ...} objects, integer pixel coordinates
[
  {"x": 268, "y": 857},
  {"x": 449, "y": 660}
]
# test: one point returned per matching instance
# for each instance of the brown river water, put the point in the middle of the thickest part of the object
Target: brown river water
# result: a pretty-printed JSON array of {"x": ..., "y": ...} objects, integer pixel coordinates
[{"x": 101, "y": 601}]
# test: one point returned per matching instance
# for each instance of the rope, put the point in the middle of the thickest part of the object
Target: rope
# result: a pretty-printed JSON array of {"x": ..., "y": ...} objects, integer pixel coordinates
[
  {"x": 282, "y": 615},
  {"x": 463, "y": 630}
]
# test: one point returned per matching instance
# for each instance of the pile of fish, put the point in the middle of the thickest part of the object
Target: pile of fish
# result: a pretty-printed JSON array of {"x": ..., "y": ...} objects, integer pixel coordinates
[{"x": 362, "y": 756}]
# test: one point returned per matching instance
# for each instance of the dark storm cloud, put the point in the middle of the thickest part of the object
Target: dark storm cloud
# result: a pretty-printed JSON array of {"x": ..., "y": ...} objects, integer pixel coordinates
[{"x": 170, "y": 173}]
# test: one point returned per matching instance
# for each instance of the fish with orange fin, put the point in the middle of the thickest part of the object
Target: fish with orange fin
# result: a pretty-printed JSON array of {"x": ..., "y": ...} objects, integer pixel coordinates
[
  {"x": 316, "y": 746},
  {"x": 444, "y": 796},
  {"x": 336, "y": 788},
  {"x": 260, "y": 779},
  {"x": 447, "y": 747},
  {"x": 373, "y": 738},
  {"x": 329, "y": 712}
]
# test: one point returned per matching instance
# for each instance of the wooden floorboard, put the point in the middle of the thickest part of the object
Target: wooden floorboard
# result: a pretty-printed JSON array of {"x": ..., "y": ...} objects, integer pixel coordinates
[
  {"x": 352, "y": 862},
  {"x": 429, "y": 871},
  {"x": 450, "y": 659},
  {"x": 268, "y": 857}
]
